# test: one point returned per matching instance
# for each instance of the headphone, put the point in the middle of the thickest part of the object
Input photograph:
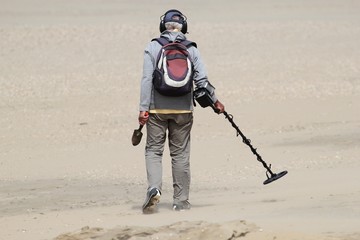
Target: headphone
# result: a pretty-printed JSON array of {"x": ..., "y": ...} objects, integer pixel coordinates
[{"x": 173, "y": 12}]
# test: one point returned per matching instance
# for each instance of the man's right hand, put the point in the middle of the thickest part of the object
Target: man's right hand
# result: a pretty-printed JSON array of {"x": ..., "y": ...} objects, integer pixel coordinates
[
  {"x": 219, "y": 107},
  {"x": 143, "y": 117}
]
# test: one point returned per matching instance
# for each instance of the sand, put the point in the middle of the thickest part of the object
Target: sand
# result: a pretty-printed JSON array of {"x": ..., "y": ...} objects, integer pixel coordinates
[{"x": 288, "y": 71}]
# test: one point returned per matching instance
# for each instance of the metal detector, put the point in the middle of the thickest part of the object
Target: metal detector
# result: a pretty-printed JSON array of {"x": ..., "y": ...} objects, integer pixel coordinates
[{"x": 203, "y": 97}]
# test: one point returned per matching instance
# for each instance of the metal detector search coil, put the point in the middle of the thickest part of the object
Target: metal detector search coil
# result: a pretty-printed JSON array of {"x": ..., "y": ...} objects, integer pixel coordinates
[
  {"x": 203, "y": 97},
  {"x": 273, "y": 176}
]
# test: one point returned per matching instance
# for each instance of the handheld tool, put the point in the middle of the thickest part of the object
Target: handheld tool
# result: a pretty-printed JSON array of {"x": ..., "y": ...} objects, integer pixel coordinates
[{"x": 137, "y": 134}]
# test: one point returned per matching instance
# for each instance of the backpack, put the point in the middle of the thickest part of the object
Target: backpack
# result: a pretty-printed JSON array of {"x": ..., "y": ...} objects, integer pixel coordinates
[{"x": 173, "y": 74}]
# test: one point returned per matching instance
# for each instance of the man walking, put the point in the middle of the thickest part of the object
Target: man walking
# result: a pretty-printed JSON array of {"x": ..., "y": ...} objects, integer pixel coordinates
[{"x": 169, "y": 113}]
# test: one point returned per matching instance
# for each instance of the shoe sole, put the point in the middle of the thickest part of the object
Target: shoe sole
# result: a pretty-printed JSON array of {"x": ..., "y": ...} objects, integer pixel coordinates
[
  {"x": 182, "y": 206},
  {"x": 150, "y": 206},
  {"x": 180, "y": 209}
]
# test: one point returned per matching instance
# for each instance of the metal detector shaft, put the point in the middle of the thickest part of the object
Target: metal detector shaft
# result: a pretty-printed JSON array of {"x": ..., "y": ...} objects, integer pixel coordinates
[
  {"x": 273, "y": 176},
  {"x": 247, "y": 142}
]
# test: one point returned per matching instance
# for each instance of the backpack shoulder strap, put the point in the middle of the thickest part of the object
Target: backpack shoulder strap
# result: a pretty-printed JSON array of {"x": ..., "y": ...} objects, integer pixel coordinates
[
  {"x": 188, "y": 43},
  {"x": 162, "y": 41}
]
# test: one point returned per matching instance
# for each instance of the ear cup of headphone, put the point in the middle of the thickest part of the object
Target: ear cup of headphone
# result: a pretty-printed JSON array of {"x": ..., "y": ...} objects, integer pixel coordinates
[
  {"x": 184, "y": 27},
  {"x": 162, "y": 26}
]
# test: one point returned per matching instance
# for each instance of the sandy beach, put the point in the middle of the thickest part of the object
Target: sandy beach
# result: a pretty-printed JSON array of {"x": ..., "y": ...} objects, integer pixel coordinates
[{"x": 288, "y": 72}]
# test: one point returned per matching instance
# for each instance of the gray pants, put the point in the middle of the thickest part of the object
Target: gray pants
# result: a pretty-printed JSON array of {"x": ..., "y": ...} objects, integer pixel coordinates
[{"x": 178, "y": 127}]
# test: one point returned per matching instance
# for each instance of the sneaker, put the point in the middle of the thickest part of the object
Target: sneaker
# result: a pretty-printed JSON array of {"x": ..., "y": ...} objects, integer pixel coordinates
[
  {"x": 181, "y": 206},
  {"x": 152, "y": 198}
]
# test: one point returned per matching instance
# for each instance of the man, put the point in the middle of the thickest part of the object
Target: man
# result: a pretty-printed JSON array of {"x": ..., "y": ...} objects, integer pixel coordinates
[{"x": 172, "y": 114}]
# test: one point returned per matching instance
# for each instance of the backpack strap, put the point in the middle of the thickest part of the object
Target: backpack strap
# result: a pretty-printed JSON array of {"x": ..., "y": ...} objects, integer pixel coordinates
[
  {"x": 163, "y": 41},
  {"x": 188, "y": 43}
]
